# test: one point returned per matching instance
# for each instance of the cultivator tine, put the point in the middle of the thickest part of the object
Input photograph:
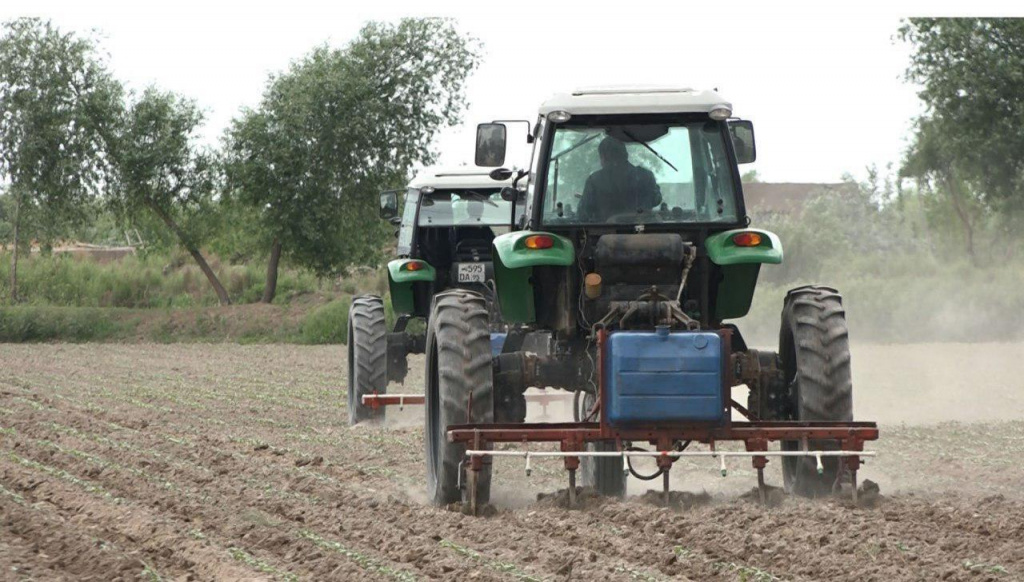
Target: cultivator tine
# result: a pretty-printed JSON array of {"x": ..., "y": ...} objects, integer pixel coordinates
[
  {"x": 762, "y": 490},
  {"x": 664, "y": 487},
  {"x": 853, "y": 478},
  {"x": 572, "y": 488},
  {"x": 471, "y": 482}
]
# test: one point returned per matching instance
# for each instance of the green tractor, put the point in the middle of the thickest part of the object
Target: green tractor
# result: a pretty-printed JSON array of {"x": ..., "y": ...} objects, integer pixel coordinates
[
  {"x": 633, "y": 253},
  {"x": 445, "y": 232}
]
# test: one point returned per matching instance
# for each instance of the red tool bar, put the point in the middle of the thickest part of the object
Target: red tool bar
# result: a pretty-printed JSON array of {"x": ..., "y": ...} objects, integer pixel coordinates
[{"x": 378, "y": 400}]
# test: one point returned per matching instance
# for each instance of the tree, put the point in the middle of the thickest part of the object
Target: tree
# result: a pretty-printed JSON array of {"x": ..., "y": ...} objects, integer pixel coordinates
[
  {"x": 933, "y": 161},
  {"x": 58, "y": 105},
  {"x": 972, "y": 134},
  {"x": 160, "y": 170},
  {"x": 336, "y": 128}
]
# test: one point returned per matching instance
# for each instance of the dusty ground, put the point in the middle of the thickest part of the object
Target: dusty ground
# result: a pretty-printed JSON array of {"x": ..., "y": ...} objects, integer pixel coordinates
[{"x": 203, "y": 462}]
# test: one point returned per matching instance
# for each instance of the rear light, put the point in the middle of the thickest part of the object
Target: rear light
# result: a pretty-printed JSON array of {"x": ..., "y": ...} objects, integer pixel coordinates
[
  {"x": 414, "y": 266},
  {"x": 746, "y": 239},
  {"x": 539, "y": 241}
]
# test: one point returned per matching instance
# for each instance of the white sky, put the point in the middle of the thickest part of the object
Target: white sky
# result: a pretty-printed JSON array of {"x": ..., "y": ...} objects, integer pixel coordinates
[{"x": 823, "y": 85}]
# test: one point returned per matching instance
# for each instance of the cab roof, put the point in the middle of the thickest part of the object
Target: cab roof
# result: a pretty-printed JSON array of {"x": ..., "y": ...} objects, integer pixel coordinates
[
  {"x": 457, "y": 177},
  {"x": 634, "y": 99}
]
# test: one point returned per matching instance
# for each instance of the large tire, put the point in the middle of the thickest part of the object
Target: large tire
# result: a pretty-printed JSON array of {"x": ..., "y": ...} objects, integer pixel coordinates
[
  {"x": 367, "y": 357},
  {"x": 814, "y": 347},
  {"x": 458, "y": 370},
  {"x": 604, "y": 474}
]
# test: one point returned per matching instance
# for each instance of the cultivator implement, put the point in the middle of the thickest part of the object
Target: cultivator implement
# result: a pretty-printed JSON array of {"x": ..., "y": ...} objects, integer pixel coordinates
[
  {"x": 756, "y": 436},
  {"x": 814, "y": 440}
]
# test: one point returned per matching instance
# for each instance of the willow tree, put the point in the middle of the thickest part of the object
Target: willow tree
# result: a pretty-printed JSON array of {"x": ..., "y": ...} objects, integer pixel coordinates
[
  {"x": 161, "y": 169},
  {"x": 58, "y": 105},
  {"x": 337, "y": 127}
]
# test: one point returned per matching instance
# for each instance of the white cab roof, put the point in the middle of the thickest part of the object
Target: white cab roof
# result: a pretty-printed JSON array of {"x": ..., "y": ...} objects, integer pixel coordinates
[
  {"x": 457, "y": 177},
  {"x": 634, "y": 99}
]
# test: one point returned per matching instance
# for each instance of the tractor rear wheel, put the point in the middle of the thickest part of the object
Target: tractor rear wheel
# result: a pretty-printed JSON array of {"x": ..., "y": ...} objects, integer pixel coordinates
[
  {"x": 814, "y": 347},
  {"x": 604, "y": 474},
  {"x": 367, "y": 357},
  {"x": 459, "y": 376}
]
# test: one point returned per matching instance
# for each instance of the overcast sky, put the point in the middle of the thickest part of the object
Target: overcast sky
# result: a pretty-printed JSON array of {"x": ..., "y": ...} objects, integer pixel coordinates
[{"x": 823, "y": 86}]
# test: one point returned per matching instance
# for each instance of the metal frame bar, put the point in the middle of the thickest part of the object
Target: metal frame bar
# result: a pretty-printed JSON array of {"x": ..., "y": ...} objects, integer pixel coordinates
[{"x": 375, "y": 401}]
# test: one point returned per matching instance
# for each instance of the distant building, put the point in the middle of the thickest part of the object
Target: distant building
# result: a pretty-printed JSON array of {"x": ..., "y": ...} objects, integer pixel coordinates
[{"x": 785, "y": 197}]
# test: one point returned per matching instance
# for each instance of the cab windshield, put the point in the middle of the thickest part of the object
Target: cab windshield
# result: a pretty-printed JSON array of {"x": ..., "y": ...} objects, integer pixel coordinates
[
  {"x": 644, "y": 173},
  {"x": 463, "y": 207}
]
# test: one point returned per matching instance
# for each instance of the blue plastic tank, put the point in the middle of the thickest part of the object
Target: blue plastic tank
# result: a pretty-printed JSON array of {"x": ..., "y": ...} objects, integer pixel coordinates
[{"x": 655, "y": 377}]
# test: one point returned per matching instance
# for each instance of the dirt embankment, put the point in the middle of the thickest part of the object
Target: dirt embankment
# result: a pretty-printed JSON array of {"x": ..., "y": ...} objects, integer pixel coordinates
[{"x": 234, "y": 462}]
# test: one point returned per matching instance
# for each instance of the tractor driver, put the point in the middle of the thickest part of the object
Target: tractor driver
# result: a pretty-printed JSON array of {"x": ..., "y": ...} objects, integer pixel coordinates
[{"x": 618, "y": 187}]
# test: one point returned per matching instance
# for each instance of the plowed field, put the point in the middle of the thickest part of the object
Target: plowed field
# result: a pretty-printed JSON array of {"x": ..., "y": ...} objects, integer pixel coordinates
[{"x": 224, "y": 462}]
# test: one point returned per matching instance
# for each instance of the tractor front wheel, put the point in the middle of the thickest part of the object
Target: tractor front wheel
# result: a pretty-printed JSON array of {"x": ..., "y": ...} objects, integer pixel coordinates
[
  {"x": 459, "y": 390},
  {"x": 367, "y": 357},
  {"x": 814, "y": 347}
]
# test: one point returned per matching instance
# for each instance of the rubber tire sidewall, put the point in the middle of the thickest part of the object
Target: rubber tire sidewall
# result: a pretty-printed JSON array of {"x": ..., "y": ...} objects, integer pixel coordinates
[
  {"x": 815, "y": 353},
  {"x": 458, "y": 363},
  {"x": 367, "y": 344}
]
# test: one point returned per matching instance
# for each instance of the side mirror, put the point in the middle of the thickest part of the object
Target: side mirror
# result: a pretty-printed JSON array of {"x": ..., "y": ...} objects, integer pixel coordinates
[
  {"x": 742, "y": 133},
  {"x": 389, "y": 205},
  {"x": 500, "y": 174},
  {"x": 490, "y": 144},
  {"x": 509, "y": 194}
]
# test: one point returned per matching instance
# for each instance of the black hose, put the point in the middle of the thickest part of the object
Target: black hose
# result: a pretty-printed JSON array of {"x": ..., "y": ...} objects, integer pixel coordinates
[
  {"x": 659, "y": 472},
  {"x": 633, "y": 472}
]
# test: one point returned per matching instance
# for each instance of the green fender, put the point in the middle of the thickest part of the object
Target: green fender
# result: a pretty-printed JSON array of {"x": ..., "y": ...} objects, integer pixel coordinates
[
  {"x": 740, "y": 267},
  {"x": 400, "y": 282},
  {"x": 513, "y": 271}
]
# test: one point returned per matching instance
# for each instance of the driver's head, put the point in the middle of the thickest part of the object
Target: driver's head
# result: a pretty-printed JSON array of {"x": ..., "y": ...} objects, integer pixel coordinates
[{"x": 612, "y": 152}]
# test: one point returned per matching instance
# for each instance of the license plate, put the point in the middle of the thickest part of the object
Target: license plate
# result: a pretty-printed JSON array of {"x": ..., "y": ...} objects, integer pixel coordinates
[{"x": 471, "y": 273}]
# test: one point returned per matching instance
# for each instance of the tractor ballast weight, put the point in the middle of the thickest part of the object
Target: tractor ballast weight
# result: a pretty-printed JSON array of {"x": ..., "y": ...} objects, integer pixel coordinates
[{"x": 634, "y": 249}]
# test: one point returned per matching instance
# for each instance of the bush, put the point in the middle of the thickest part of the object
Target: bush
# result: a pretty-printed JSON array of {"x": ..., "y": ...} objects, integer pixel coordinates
[
  {"x": 38, "y": 324},
  {"x": 327, "y": 324},
  {"x": 903, "y": 277},
  {"x": 141, "y": 281}
]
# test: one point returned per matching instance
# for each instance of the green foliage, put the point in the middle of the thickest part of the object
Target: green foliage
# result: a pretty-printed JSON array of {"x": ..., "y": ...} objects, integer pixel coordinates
[
  {"x": 36, "y": 324},
  {"x": 57, "y": 108},
  {"x": 903, "y": 269},
  {"x": 327, "y": 324},
  {"x": 970, "y": 71},
  {"x": 160, "y": 170},
  {"x": 146, "y": 281},
  {"x": 339, "y": 126}
]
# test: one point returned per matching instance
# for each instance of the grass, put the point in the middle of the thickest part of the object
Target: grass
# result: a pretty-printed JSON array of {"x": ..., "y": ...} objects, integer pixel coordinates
[
  {"x": 168, "y": 280},
  {"x": 325, "y": 324}
]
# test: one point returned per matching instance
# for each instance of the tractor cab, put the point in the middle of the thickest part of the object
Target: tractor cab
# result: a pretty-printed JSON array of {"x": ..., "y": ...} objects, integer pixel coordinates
[{"x": 641, "y": 187}]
